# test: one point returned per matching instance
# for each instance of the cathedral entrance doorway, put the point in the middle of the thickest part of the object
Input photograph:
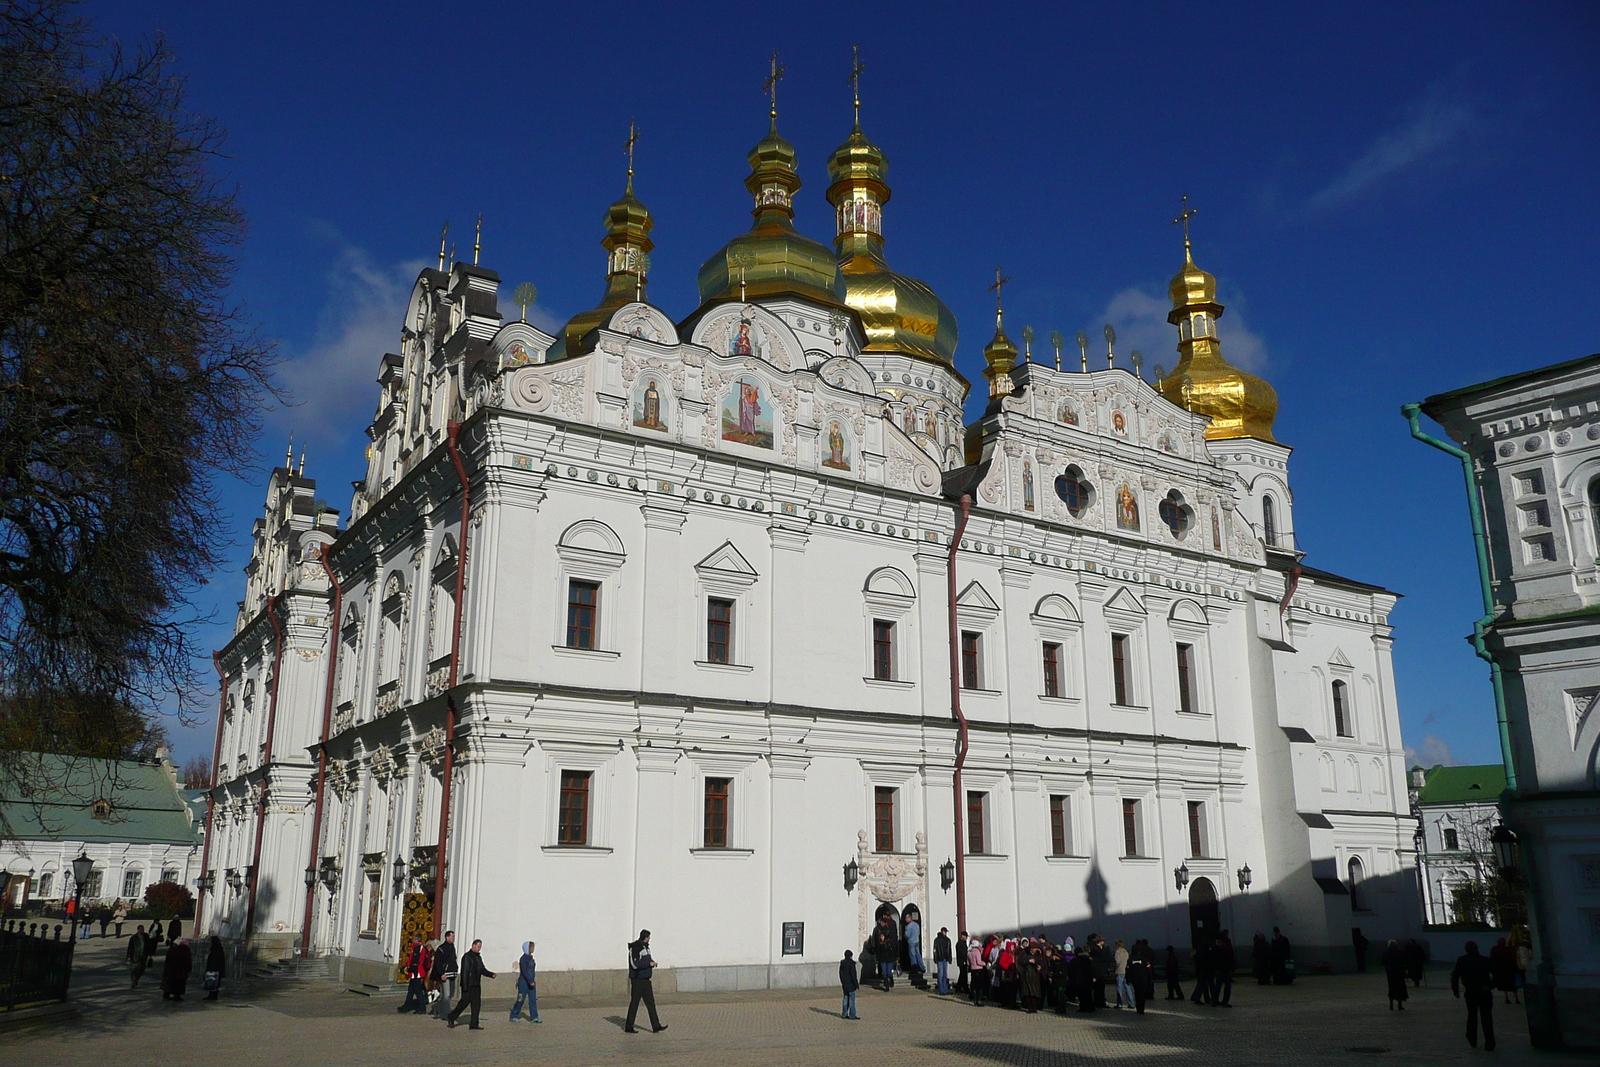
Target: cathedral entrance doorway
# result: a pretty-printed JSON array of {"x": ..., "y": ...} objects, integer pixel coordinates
[{"x": 1204, "y": 917}]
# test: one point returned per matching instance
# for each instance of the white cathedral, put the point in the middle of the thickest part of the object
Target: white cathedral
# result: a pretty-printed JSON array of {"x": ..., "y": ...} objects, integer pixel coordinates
[{"x": 653, "y": 623}]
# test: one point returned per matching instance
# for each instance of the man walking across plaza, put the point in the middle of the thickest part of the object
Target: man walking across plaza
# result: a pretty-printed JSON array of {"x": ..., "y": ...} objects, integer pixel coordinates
[
  {"x": 443, "y": 975},
  {"x": 138, "y": 955},
  {"x": 849, "y": 982},
  {"x": 640, "y": 965},
  {"x": 473, "y": 973},
  {"x": 942, "y": 955},
  {"x": 527, "y": 985},
  {"x": 1472, "y": 976},
  {"x": 1223, "y": 964}
]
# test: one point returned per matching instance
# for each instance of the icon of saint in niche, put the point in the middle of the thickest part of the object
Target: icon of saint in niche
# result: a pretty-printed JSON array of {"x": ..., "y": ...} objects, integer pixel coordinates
[
  {"x": 1127, "y": 508},
  {"x": 517, "y": 355},
  {"x": 742, "y": 345},
  {"x": 1119, "y": 424},
  {"x": 1068, "y": 414},
  {"x": 1027, "y": 485},
  {"x": 647, "y": 412},
  {"x": 1216, "y": 533},
  {"x": 746, "y": 415},
  {"x": 838, "y": 454}
]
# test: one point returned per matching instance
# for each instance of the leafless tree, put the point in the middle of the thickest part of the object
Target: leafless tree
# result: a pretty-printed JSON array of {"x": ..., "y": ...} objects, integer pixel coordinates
[
  {"x": 127, "y": 384},
  {"x": 197, "y": 773}
]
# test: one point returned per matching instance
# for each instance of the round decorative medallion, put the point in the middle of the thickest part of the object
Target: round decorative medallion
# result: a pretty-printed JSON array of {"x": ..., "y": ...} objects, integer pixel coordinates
[
  {"x": 1533, "y": 444},
  {"x": 1563, "y": 438},
  {"x": 905, "y": 379},
  {"x": 1507, "y": 449},
  {"x": 1594, "y": 433}
]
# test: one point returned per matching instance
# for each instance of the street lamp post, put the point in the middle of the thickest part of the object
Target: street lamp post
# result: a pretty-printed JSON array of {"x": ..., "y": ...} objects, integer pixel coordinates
[
  {"x": 852, "y": 874},
  {"x": 1244, "y": 878},
  {"x": 947, "y": 875},
  {"x": 82, "y": 868},
  {"x": 1180, "y": 874},
  {"x": 1504, "y": 840}
]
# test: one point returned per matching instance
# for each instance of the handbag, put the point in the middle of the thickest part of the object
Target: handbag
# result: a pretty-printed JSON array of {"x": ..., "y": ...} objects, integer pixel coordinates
[{"x": 213, "y": 981}]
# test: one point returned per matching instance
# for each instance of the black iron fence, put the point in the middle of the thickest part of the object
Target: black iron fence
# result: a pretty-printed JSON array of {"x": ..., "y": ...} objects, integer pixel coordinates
[{"x": 35, "y": 965}]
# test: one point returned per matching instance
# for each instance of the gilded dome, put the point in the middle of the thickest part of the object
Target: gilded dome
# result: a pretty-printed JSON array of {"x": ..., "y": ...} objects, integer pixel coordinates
[
  {"x": 627, "y": 243},
  {"x": 773, "y": 259},
  {"x": 1240, "y": 404},
  {"x": 899, "y": 313}
]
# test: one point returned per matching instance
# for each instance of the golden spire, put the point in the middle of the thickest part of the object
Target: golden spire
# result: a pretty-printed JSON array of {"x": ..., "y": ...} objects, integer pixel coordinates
[
  {"x": 999, "y": 354},
  {"x": 855, "y": 82},
  {"x": 477, "y": 240},
  {"x": 1240, "y": 404},
  {"x": 633, "y": 139},
  {"x": 444, "y": 233}
]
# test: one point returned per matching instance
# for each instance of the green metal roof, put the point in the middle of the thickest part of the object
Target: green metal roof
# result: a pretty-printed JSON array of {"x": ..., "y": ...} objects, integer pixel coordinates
[
  {"x": 1463, "y": 785},
  {"x": 54, "y": 797}
]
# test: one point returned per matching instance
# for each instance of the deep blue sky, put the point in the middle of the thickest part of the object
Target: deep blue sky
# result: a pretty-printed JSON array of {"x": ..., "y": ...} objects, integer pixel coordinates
[{"x": 1396, "y": 199}]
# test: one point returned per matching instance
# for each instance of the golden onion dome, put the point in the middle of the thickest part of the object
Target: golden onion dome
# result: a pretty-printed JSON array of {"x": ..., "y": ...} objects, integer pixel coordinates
[
  {"x": 999, "y": 357},
  {"x": 773, "y": 259},
  {"x": 1240, "y": 404},
  {"x": 899, "y": 313},
  {"x": 627, "y": 242}
]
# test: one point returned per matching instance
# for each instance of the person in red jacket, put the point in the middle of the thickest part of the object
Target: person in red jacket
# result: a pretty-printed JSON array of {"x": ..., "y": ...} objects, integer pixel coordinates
[{"x": 418, "y": 958}]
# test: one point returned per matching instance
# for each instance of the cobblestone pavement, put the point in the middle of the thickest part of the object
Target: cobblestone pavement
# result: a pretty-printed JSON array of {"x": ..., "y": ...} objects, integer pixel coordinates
[{"x": 1339, "y": 1020}]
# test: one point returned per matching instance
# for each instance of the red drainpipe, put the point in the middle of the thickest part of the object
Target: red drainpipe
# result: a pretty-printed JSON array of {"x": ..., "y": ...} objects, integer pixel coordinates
[
  {"x": 322, "y": 749},
  {"x": 452, "y": 435},
  {"x": 955, "y": 710},
  {"x": 211, "y": 802},
  {"x": 266, "y": 763}
]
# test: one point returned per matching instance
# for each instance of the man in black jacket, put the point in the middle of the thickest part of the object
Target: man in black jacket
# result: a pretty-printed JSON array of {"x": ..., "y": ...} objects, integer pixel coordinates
[
  {"x": 473, "y": 973},
  {"x": 639, "y": 967},
  {"x": 942, "y": 954},
  {"x": 849, "y": 983},
  {"x": 963, "y": 964},
  {"x": 1472, "y": 972},
  {"x": 443, "y": 975}
]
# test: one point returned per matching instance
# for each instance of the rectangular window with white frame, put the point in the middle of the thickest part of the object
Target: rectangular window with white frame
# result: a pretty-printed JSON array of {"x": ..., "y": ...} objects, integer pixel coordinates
[
  {"x": 583, "y": 613},
  {"x": 883, "y": 650},
  {"x": 1197, "y": 828},
  {"x": 719, "y": 630},
  {"x": 977, "y": 822},
  {"x": 1185, "y": 658},
  {"x": 1132, "y": 827},
  {"x": 1052, "y": 668},
  {"x": 884, "y": 802},
  {"x": 717, "y": 791},
  {"x": 1060, "y": 824},
  {"x": 132, "y": 883},
  {"x": 572, "y": 823},
  {"x": 971, "y": 660},
  {"x": 1121, "y": 669}
]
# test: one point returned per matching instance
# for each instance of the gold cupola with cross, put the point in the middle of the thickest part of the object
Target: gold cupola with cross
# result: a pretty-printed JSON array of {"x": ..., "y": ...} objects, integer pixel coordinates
[
  {"x": 627, "y": 244},
  {"x": 899, "y": 313},
  {"x": 1240, "y": 404},
  {"x": 773, "y": 259},
  {"x": 1000, "y": 354}
]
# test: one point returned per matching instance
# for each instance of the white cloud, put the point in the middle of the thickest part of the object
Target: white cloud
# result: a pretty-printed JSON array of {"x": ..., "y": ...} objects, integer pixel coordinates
[
  {"x": 1433, "y": 750},
  {"x": 332, "y": 382},
  {"x": 1430, "y": 123},
  {"x": 1140, "y": 320}
]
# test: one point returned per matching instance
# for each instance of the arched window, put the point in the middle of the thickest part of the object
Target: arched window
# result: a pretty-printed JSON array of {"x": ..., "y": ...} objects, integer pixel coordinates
[
  {"x": 1269, "y": 520},
  {"x": 1353, "y": 869},
  {"x": 349, "y": 648},
  {"x": 393, "y": 607},
  {"x": 1074, "y": 492},
  {"x": 1341, "y": 710},
  {"x": 442, "y": 604},
  {"x": 1594, "y": 508}
]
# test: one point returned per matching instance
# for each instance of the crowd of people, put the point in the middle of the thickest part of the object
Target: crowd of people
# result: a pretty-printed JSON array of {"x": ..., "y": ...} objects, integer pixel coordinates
[
  {"x": 178, "y": 966},
  {"x": 1031, "y": 974}
]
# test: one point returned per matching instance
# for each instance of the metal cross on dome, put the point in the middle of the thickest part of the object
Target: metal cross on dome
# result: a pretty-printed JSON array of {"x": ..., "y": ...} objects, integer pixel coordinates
[
  {"x": 1183, "y": 220},
  {"x": 999, "y": 284},
  {"x": 770, "y": 86},
  {"x": 855, "y": 81},
  {"x": 633, "y": 139}
]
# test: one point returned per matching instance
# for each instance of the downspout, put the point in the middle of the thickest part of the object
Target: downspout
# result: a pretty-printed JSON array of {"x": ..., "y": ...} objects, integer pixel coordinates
[
  {"x": 452, "y": 436},
  {"x": 211, "y": 799},
  {"x": 322, "y": 749},
  {"x": 955, "y": 711},
  {"x": 1409, "y": 412},
  {"x": 266, "y": 764}
]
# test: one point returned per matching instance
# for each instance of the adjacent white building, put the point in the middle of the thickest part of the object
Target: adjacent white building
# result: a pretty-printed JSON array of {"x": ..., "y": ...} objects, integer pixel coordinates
[
  {"x": 1458, "y": 809},
  {"x": 647, "y": 625},
  {"x": 130, "y": 818},
  {"x": 1533, "y": 443}
]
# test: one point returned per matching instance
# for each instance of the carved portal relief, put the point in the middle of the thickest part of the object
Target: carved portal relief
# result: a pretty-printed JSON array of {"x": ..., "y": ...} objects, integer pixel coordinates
[{"x": 888, "y": 880}]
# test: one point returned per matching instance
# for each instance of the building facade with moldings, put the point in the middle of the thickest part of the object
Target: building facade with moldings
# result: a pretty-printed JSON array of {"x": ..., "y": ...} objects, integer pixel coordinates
[{"x": 700, "y": 657}]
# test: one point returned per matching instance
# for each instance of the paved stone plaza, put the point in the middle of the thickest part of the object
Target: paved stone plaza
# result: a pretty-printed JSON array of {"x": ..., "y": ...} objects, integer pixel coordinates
[{"x": 1333, "y": 1020}]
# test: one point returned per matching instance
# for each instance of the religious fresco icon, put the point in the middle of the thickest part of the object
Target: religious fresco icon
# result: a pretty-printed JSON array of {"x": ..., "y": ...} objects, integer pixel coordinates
[
  {"x": 1027, "y": 485},
  {"x": 1165, "y": 444},
  {"x": 517, "y": 355},
  {"x": 743, "y": 340},
  {"x": 1119, "y": 424},
  {"x": 1216, "y": 532},
  {"x": 1068, "y": 413},
  {"x": 649, "y": 413},
  {"x": 838, "y": 456},
  {"x": 1127, "y": 508},
  {"x": 747, "y": 415}
]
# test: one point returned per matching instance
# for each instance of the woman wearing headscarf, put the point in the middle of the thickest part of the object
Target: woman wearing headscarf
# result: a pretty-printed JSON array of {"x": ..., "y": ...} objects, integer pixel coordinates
[
  {"x": 216, "y": 963},
  {"x": 1030, "y": 965},
  {"x": 977, "y": 970},
  {"x": 175, "y": 971},
  {"x": 1394, "y": 969}
]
